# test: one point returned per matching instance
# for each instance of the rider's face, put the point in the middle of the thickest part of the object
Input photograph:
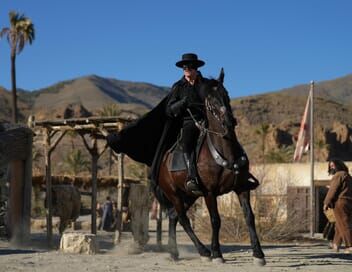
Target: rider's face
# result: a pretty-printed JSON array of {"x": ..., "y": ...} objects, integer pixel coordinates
[{"x": 189, "y": 71}]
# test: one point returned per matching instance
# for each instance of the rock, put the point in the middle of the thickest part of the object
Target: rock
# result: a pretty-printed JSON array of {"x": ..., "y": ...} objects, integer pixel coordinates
[{"x": 81, "y": 243}]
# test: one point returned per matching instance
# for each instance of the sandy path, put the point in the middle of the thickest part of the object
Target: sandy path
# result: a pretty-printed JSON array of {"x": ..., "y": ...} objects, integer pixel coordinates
[{"x": 283, "y": 257}]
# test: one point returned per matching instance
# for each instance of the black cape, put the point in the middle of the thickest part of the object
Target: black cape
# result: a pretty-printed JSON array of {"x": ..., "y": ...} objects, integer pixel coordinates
[{"x": 147, "y": 139}]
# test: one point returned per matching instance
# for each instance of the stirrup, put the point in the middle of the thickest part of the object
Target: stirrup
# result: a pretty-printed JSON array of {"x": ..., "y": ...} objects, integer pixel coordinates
[{"x": 193, "y": 187}]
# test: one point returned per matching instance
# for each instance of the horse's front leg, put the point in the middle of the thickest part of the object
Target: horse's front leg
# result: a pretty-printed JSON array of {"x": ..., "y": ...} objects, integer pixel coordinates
[
  {"x": 215, "y": 220},
  {"x": 258, "y": 254}
]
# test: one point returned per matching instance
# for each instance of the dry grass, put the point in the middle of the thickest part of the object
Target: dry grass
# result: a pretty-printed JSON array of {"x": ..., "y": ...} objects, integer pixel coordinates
[{"x": 234, "y": 229}]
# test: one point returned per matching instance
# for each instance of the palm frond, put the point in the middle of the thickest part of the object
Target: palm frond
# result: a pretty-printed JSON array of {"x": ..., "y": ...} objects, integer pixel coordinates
[{"x": 4, "y": 31}]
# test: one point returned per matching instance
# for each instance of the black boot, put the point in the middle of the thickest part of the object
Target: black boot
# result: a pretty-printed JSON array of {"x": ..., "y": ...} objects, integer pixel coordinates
[{"x": 192, "y": 184}]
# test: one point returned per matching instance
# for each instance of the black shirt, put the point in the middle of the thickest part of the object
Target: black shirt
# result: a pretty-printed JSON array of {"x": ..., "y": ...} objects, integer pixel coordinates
[{"x": 195, "y": 99}]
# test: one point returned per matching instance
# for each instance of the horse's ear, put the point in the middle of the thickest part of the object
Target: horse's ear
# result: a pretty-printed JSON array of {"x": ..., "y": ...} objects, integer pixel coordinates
[{"x": 221, "y": 76}]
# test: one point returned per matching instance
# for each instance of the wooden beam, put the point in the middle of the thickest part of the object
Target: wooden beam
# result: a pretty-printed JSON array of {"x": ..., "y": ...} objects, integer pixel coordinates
[
  {"x": 82, "y": 121},
  {"x": 57, "y": 141}
]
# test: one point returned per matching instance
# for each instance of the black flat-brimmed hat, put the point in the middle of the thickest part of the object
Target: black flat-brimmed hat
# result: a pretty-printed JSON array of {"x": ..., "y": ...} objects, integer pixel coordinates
[{"x": 190, "y": 58}]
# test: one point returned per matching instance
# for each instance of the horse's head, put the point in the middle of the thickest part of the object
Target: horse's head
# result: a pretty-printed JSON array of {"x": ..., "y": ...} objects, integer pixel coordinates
[
  {"x": 222, "y": 123},
  {"x": 218, "y": 106}
]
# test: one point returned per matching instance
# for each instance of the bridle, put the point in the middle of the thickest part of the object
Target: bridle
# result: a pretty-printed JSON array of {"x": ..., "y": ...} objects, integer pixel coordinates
[{"x": 219, "y": 159}]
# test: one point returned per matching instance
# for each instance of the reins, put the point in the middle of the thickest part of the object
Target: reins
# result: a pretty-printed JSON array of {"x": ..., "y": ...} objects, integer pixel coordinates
[
  {"x": 215, "y": 154},
  {"x": 203, "y": 129}
]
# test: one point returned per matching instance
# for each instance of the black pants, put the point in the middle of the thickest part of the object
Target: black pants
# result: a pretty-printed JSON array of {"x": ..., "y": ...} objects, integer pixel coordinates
[{"x": 189, "y": 136}]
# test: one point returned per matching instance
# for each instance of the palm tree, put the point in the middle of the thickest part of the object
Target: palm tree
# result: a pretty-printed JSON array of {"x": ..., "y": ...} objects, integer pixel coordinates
[
  {"x": 20, "y": 32},
  {"x": 281, "y": 155},
  {"x": 110, "y": 110},
  {"x": 263, "y": 131},
  {"x": 76, "y": 162}
]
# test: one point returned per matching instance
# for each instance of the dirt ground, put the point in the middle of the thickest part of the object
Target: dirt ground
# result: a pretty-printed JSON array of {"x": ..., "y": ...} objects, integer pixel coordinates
[{"x": 312, "y": 256}]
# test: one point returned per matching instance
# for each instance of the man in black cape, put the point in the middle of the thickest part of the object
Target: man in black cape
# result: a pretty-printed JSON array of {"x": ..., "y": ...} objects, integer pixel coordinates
[{"x": 147, "y": 139}]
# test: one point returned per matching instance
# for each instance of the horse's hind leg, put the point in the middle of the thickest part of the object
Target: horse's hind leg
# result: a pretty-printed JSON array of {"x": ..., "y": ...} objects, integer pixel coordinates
[
  {"x": 212, "y": 206},
  {"x": 172, "y": 244},
  {"x": 249, "y": 216},
  {"x": 185, "y": 223}
]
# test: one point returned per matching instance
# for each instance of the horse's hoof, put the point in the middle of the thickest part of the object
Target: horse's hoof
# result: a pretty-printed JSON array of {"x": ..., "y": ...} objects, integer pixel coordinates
[
  {"x": 259, "y": 261},
  {"x": 218, "y": 260},
  {"x": 135, "y": 249},
  {"x": 205, "y": 259},
  {"x": 174, "y": 257}
]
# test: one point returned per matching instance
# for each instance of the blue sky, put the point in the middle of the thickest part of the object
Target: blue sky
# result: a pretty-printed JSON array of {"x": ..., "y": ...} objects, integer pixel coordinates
[{"x": 262, "y": 45}]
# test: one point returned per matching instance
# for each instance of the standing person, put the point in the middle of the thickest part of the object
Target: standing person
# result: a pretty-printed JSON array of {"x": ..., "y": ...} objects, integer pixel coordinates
[
  {"x": 186, "y": 104},
  {"x": 107, "y": 214},
  {"x": 339, "y": 198}
]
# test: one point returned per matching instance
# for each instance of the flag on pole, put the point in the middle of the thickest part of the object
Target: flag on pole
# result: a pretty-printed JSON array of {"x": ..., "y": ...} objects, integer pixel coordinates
[{"x": 302, "y": 144}]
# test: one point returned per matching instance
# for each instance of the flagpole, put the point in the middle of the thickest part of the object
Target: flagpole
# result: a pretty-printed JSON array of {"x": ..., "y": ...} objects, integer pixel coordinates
[{"x": 311, "y": 144}]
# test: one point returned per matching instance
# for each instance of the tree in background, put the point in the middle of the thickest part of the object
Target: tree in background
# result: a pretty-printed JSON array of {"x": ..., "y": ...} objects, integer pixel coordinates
[
  {"x": 110, "y": 110},
  {"x": 280, "y": 155},
  {"x": 20, "y": 32},
  {"x": 76, "y": 162},
  {"x": 263, "y": 131}
]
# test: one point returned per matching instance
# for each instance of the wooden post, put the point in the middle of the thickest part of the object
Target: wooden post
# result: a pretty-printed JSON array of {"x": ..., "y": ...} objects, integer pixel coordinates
[
  {"x": 49, "y": 207},
  {"x": 95, "y": 157},
  {"x": 49, "y": 148},
  {"x": 119, "y": 198},
  {"x": 311, "y": 147},
  {"x": 16, "y": 197},
  {"x": 110, "y": 161},
  {"x": 139, "y": 212},
  {"x": 95, "y": 154},
  {"x": 27, "y": 189},
  {"x": 159, "y": 226}
]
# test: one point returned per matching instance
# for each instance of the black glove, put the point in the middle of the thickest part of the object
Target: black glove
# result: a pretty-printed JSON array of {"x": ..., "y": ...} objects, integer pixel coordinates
[{"x": 178, "y": 107}]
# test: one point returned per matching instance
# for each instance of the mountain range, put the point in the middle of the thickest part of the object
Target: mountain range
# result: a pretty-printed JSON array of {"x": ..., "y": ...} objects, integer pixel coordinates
[{"x": 279, "y": 112}]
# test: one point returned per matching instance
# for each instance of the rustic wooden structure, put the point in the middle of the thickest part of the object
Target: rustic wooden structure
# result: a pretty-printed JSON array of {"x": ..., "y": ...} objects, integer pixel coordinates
[
  {"x": 16, "y": 153},
  {"x": 95, "y": 128},
  {"x": 298, "y": 200}
]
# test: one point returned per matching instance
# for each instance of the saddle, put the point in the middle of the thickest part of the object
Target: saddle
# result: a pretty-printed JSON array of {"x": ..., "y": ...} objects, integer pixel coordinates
[{"x": 175, "y": 159}]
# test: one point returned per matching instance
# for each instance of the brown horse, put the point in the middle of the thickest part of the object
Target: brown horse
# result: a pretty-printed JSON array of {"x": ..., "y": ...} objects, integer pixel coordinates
[{"x": 222, "y": 166}]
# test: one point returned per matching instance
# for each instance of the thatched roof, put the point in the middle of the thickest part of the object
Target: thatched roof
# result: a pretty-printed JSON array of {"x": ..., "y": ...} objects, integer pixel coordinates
[{"x": 107, "y": 181}]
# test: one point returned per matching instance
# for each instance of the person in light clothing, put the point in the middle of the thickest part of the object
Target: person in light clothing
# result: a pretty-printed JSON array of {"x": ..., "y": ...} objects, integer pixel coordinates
[{"x": 339, "y": 198}]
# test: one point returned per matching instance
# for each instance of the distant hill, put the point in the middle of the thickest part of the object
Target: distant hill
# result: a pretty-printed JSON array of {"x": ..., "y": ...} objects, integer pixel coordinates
[
  {"x": 5, "y": 105},
  {"x": 281, "y": 111},
  {"x": 338, "y": 90},
  {"x": 87, "y": 95}
]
